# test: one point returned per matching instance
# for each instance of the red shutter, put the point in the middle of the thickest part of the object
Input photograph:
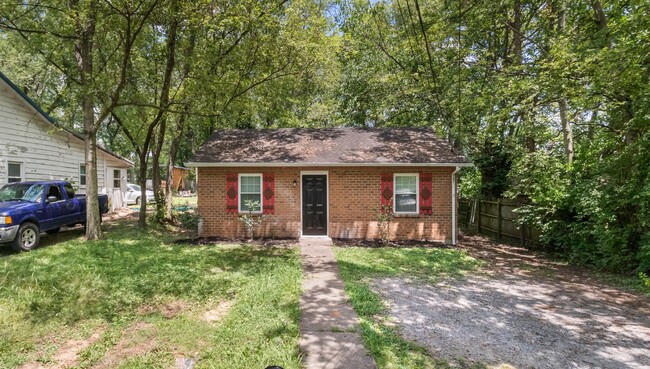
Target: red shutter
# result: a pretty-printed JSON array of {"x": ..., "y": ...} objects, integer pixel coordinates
[
  {"x": 232, "y": 206},
  {"x": 426, "y": 193},
  {"x": 386, "y": 189},
  {"x": 268, "y": 193}
]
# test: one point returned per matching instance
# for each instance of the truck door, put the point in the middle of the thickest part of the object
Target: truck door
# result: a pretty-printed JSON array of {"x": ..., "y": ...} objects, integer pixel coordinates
[
  {"x": 60, "y": 211},
  {"x": 73, "y": 204}
]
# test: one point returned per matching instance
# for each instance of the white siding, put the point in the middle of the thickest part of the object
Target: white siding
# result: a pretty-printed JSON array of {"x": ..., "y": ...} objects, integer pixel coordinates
[{"x": 45, "y": 151}]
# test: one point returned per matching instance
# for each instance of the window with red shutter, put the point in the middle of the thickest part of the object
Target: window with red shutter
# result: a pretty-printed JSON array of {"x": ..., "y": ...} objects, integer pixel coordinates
[
  {"x": 268, "y": 193},
  {"x": 231, "y": 193}
]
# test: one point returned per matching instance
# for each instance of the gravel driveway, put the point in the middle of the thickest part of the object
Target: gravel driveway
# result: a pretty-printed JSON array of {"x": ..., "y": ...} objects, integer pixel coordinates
[{"x": 523, "y": 311}]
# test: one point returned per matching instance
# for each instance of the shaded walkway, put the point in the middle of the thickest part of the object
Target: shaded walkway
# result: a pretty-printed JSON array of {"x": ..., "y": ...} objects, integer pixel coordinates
[{"x": 329, "y": 327}]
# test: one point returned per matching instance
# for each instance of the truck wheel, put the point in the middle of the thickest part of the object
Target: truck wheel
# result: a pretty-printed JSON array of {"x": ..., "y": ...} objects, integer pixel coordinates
[
  {"x": 137, "y": 201},
  {"x": 26, "y": 238},
  {"x": 53, "y": 231}
]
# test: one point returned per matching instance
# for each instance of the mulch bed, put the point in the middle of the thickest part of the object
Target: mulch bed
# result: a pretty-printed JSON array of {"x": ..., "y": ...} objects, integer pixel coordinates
[
  {"x": 203, "y": 241},
  {"x": 354, "y": 242}
]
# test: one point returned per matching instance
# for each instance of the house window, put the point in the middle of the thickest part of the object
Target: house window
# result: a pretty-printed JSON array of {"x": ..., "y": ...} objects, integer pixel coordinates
[
  {"x": 117, "y": 181},
  {"x": 82, "y": 174},
  {"x": 14, "y": 172},
  {"x": 406, "y": 194},
  {"x": 250, "y": 189}
]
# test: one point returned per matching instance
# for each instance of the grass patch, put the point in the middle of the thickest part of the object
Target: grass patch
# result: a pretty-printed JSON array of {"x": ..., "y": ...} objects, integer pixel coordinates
[
  {"x": 74, "y": 289},
  {"x": 359, "y": 266},
  {"x": 185, "y": 201}
]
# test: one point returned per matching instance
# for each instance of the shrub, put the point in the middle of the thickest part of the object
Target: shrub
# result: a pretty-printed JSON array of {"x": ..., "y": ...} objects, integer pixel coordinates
[
  {"x": 384, "y": 218},
  {"x": 188, "y": 219},
  {"x": 250, "y": 220}
]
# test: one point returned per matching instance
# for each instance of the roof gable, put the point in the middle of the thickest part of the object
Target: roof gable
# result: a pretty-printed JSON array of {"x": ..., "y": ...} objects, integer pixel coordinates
[
  {"x": 47, "y": 118},
  {"x": 327, "y": 146}
]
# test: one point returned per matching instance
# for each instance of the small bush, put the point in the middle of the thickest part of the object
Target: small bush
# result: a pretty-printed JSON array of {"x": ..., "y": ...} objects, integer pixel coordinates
[
  {"x": 645, "y": 279},
  {"x": 188, "y": 219},
  {"x": 251, "y": 220},
  {"x": 384, "y": 218}
]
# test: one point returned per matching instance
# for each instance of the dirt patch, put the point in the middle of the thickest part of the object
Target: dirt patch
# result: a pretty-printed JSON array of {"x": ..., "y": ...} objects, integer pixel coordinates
[
  {"x": 67, "y": 354},
  {"x": 120, "y": 214},
  {"x": 524, "y": 311},
  {"x": 358, "y": 242},
  {"x": 167, "y": 309},
  {"x": 203, "y": 241},
  {"x": 185, "y": 362},
  {"x": 214, "y": 315},
  {"x": 137, "y": 340}
]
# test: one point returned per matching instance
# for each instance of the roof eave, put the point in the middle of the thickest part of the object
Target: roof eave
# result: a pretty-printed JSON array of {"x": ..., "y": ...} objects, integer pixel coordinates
[{"x": 231, "y": 164}]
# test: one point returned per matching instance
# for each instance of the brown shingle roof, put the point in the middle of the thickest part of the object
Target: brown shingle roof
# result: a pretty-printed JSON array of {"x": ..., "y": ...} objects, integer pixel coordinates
[{"x": 338, "y": 146}]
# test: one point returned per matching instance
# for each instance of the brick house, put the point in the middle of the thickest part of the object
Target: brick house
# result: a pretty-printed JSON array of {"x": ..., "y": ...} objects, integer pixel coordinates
[{"x": 329, "y": 182}]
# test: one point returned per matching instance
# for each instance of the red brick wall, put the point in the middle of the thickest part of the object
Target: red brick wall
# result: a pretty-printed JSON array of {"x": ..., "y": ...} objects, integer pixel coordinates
[{"x": 354, "y": 193}]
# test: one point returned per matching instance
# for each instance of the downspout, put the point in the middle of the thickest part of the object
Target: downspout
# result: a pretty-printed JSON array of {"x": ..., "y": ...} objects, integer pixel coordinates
[
  {"x": 200, "y": 228},
  {"x": 453, "y": 206}
]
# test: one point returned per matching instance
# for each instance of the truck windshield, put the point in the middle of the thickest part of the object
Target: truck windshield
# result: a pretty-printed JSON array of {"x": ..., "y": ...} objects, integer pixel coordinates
[{"x": 22, "y": 192}]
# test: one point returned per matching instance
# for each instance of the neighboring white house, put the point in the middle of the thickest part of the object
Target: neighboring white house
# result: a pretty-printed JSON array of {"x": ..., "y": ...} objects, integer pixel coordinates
[{"x": 34, "y": 147}]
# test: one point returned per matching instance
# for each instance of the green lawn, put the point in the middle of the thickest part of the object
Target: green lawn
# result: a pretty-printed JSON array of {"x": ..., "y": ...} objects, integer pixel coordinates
[
  {"x": 360, "y": 265},
  {"x": 136, "y": 300},
  {"x": 182, "y": 201}
]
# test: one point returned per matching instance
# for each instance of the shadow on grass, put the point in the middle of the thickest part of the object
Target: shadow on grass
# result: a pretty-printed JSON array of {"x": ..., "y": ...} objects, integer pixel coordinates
[
  {"x": 359, "y": 266},
  {"x": 430, "y": 264},
  {"x": 111, "y": 277},
  {"x": 47, "y": 240}
]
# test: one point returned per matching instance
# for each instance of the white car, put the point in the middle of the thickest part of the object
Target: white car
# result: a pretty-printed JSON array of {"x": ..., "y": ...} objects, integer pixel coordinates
[{"x": 134, "y": 194}]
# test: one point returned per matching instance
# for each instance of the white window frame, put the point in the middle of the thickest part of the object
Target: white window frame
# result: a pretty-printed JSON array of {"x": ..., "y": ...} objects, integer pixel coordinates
[
  {"x": 119, "y": 178},
  {"x": 85, "y": 175},
  {"x": 239, "y": 192},
  {"x": 417, "y": 193},
  {"x": 22, "y": 170}
]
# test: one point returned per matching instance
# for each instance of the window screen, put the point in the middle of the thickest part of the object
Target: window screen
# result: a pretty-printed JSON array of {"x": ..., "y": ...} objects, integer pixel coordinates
[
  {"x": 250, "y": 189},
  {"x": 14, "y": 172},
  {"x": 82, "y": 174},
  {"x": 406, "y": 193}
]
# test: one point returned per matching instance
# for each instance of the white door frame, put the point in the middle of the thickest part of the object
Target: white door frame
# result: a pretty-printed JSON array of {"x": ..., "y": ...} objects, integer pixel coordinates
[{"x": 327, "y": 199}]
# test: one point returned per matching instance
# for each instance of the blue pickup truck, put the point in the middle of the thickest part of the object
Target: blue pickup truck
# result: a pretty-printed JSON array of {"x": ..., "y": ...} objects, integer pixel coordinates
[{"x": 29, "y": 208}]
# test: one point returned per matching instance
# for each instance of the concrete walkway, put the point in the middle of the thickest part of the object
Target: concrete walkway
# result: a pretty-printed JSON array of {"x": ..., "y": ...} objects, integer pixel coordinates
[{"x": 329, "y": 327}]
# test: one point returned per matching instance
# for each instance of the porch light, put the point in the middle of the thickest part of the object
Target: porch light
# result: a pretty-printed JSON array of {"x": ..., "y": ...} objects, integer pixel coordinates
[{"x": 295, "y": 182}]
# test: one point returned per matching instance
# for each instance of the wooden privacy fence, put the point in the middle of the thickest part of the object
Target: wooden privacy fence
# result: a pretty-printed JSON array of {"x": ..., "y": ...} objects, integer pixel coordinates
[{"x": 496, "y": 218}]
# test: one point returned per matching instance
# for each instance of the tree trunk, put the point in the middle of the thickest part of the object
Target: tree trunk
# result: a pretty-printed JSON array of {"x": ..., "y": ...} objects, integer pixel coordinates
[
  {"x": 162, "y": 129},
  {"x": 93, "y": 217},
  {"x": 593, "y": 122},
  {"x": 142, "y": 217},
  {"x": 567, "y": 130},
  {"x": 179, "y": 129},
  {"x": 517, "y": 37},
  {"x": 601, "y": 18},
  {"x": 85, "y": 29},
  {"x": 173, "y": 150},
  {"x": 156, "y": 176}
]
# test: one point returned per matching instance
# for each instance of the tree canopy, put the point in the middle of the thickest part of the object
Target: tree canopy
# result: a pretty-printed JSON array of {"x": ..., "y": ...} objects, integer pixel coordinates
[{"x": 549, "y": 98}]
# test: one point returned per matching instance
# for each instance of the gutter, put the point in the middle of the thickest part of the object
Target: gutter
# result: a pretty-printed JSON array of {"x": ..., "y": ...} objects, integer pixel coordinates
[
  {"x": 316, "y": 164},
  {"x": 454, "y": 228}
]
